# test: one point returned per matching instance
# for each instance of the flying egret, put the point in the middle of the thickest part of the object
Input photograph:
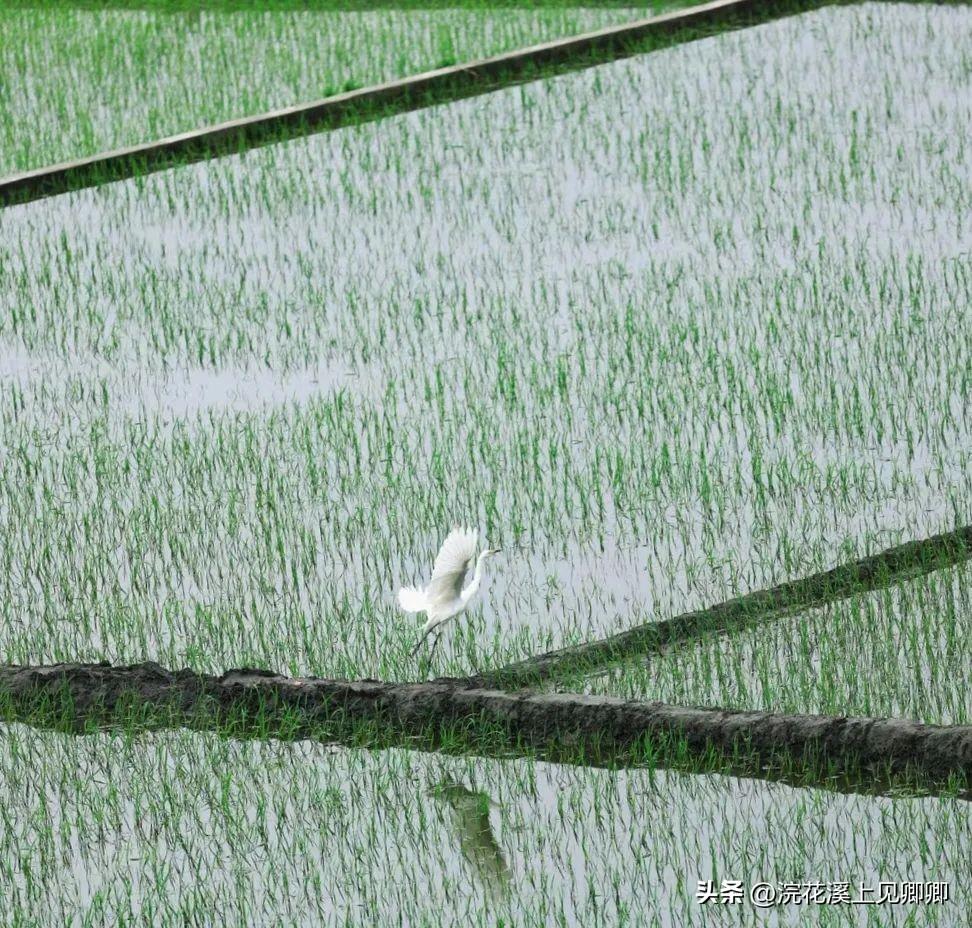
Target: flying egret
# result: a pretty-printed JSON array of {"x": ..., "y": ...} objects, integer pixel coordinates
[{"x": 444, "y": 597}]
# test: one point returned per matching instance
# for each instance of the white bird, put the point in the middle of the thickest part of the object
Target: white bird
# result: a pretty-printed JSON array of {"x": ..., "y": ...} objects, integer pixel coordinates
[{"x": 444, "y": 597}]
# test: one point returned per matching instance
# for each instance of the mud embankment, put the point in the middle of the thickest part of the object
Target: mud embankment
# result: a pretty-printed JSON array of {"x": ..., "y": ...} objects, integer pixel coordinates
[
  {"x": 894, "y": 565},
  {"x": 430, "y": 88},
  {"x": 449, "y": 715}
]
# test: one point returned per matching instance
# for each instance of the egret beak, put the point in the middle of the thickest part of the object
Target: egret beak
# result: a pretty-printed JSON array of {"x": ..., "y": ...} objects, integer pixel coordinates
[{"x": 494, "y": 550}]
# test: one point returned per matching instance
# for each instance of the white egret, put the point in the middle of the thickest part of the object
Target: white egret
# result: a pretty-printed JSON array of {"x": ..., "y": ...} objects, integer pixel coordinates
[{"x": 444, "y": 598}]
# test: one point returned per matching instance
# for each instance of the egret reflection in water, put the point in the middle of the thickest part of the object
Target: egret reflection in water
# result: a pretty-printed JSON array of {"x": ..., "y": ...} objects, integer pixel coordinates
[{"x": 469, "y": 813}]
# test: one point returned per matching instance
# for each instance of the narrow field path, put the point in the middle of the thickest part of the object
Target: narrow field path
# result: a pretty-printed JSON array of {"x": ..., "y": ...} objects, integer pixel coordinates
[
  {"x": 889, "y": 567},
  {"x": 430, "y": 88},
  {"x": 853, "y": 754}
]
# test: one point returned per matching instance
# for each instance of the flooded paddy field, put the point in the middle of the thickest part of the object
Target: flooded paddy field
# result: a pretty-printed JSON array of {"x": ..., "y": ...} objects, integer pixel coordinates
[
  {"x": 176, "y": 826},
  {"x": 668, "y": 330},
  {"x": 85, "y": 78},
  {"x": 732, "y": 352}
]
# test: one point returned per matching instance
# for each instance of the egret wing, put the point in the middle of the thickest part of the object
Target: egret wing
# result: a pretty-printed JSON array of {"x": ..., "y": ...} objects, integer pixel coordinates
[
  {"x": 411, "y": 599},
  {"x": 451, "y": 566}
]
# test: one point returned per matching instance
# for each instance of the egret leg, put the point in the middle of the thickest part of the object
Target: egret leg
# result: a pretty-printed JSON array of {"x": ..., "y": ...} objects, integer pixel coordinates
[
  {"x": 418, "y": 643},
  {"x": 422, "y": 638},
  {"x": 435, "y": 644}
]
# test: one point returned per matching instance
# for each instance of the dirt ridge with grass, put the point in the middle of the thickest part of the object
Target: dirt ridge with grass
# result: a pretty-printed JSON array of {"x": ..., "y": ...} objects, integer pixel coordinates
[
  {"x": 443, "y": 85},
  {"x": 369, "y": 713},
  {"x": 891, "y": 566}
]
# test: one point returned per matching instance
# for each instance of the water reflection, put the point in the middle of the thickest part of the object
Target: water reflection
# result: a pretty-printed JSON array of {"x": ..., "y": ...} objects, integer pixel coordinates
[{"x": 469, "y": 812}]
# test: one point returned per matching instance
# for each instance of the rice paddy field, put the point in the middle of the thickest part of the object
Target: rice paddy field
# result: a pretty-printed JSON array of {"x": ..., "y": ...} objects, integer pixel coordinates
[
  {"x": 78, "y": 79},
  {"x": 668, "y": 330}
]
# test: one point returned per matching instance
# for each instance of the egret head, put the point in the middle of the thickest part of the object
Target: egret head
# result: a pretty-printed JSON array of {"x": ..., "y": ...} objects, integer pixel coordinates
[{"x": 489, "y": 552}]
